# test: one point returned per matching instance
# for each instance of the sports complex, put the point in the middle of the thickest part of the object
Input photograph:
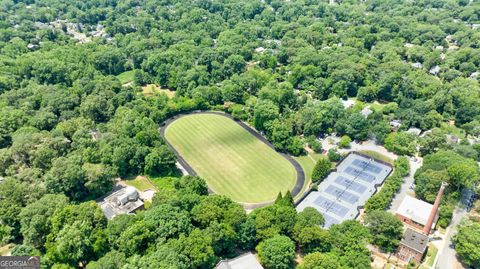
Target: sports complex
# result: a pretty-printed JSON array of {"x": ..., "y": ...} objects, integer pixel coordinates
[
  {"x": 344, "y": 192},
  {"x": 233, "y": 158}
]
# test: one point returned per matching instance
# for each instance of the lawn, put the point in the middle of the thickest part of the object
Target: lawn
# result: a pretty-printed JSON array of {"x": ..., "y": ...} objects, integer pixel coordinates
[
  {"x": 151, "y": 89},
  {"x": 126, "y": 76},
  {"x": 230, "y": 159},
  {"x": 430, "y": 257},
  {"x": 377, "y": 155},
  {"x": 307, "y": 162},
  {"x": 141, "y": 183},
  {"x": 5, "y": 249}
]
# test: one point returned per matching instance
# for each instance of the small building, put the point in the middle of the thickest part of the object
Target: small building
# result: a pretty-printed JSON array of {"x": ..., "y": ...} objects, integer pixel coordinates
[
  {"x": 417, "y": 65},
  {"x": 395, "y": 124},
  {"x": 260, "y": 50},
  {"x": 123, "y": 201},
  {"x": 434, "y": 70},
  {"x": 414, "y": 212},
  {"x": 348, "y": 103},
  {"x": 414, "y": 131},
  {"x": 244, "y": 261},
  {"x": 366, "y": 111},
  {"x": 412, "y": 246}
]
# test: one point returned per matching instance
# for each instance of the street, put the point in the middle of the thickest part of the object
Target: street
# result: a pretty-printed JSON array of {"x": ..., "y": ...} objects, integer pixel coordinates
[{"x": 447, "y": 258}]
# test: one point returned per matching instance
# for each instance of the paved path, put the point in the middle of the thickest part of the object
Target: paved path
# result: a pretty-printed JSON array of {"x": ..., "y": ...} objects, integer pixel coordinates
[
  {"x": 447, "y": 257},
  {"x": 298, "y": 168}
]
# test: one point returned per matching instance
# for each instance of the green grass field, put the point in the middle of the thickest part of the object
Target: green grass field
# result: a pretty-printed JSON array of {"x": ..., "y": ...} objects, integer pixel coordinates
[
  {"x": 230, "y": 159},
  {"x": 307, "y": 162},
  {"x": 126, "y": 76}
]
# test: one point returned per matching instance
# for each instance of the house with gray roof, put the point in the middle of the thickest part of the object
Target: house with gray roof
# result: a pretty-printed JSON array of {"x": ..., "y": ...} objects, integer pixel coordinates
[{"x": 244, "y": 261}]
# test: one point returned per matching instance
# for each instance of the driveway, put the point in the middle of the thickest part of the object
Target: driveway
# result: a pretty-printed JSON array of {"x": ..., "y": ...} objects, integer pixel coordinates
[{"x": 407, "y": 182}]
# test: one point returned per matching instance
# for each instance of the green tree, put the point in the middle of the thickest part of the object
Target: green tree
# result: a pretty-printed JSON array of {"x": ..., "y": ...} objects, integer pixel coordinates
[
  {"x": 111, "y": 260},
  {"x": 321, "y": 169},
  {"x": 333, "y": 155},
  {"x": 319, "y": 260},
  {"x": 264, "y": 112},
  {"x": 160, "y": 161},
  {"x": 35, "y": 218},
  {"x": 345, "y": 142},
  {"x": 401, "y": 143},
  {"x": 385, "y": 228},
  {"x": 466, "y": 244},
  {"x": 277, "y": 252}
]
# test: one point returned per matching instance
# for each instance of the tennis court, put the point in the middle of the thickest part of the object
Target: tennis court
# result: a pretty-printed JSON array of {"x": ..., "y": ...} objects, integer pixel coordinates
[{"x": 341, "y": 195}]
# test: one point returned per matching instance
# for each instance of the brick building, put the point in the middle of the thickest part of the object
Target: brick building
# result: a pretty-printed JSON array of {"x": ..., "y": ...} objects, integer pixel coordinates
[
  {"x": 412, "y": 246},
  {"x": 415, "y": 212}
]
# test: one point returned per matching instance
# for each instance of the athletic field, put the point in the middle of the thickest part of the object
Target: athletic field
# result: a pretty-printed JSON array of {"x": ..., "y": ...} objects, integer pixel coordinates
[{"x": 232, "y": 161}]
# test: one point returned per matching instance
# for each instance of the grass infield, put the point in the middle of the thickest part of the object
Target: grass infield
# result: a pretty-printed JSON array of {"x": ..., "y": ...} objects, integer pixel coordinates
[{"x": 232, "y": 161}]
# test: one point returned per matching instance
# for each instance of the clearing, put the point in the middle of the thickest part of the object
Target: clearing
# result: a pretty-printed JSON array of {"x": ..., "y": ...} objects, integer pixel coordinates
[{"x": 232, "y": 161}]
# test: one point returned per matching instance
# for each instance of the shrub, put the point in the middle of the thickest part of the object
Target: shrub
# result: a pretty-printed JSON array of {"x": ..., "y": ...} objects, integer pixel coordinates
[
  {"x": 345, "y": 142},
  {"x": 334, "y": 155}
]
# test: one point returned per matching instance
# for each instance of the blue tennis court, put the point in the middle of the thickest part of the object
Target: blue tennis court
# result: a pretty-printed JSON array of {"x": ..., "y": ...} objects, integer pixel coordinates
[
  {"x": 350, "y": 184},
  {"x": 342, "y": 194},
  {"x": 367, "y": 166},
  {"x": 329, "y": 220},
  {"x": 362, "y": 175},
  {"x": 331, "y": 206}
]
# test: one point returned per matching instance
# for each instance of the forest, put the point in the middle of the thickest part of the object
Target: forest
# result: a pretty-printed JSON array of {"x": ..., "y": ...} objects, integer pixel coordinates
[{"x": 70, "y": 123}]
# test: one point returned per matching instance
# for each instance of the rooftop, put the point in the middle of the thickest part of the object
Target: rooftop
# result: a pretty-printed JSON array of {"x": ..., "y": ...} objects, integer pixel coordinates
[
  {"x": 366, "y": 111},
  {"x": 415, "y": 240},
  {"x": 123, "y": 201},
  {"x": 247, "y": 260},
  {"x": 415, "y": 209}
]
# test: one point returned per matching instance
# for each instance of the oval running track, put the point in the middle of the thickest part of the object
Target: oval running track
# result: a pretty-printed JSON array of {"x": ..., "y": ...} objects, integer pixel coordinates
[{"x": 249, "y": 206}]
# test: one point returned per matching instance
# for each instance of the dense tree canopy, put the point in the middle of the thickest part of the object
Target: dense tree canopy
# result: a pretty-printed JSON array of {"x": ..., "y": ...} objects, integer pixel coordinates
[{"x": 74, "y": 117}]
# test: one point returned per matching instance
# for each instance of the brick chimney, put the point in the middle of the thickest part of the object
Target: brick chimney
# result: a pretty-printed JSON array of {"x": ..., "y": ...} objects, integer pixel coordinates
[{"x": 433, "y": 213}]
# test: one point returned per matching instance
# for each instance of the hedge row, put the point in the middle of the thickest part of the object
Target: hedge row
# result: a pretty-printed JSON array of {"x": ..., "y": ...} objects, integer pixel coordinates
[{"x": 382, "y": 199}]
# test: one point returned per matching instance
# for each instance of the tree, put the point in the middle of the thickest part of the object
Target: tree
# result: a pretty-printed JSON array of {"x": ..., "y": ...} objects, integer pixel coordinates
[
  {"x": 111, "y": 260},
  {"x": 402, "y": 143},
  {"x": 319, "y": 260},
  {"x": 357, "y": 126},
  {"x": 72, "y": 246},
  {"x": 197, "y": 247},
  {"x": 68, "y": 177},
  {"x": 321, "y": 169},
  {"x": 136, "y": 238},
  {"x": 35, "y": 218},
  {"x": 345, "y": 142},
  {"x": 160, "y": 161},
  {"x": 466, "y": 244},
  {"x": 274, "y": 220},
  {"x": 76, "y": 235},
  {"x": 277, "y": 252},
  {"x": 385, "y": 228},
  {"x": 380, "y": 131},
  {"x": 264, "y": 111}
]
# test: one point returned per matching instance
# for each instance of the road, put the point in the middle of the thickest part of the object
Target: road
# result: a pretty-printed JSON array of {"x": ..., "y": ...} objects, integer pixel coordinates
[{"x": 447, "y": 258}]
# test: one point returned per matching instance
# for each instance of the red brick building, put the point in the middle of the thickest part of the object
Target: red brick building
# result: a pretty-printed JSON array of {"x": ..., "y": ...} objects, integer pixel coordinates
[
  {"x": 412, "y": 246},
  {"x": 415, "y": 212}
]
